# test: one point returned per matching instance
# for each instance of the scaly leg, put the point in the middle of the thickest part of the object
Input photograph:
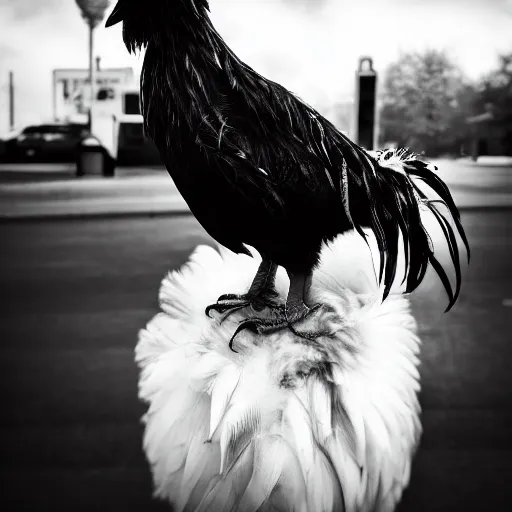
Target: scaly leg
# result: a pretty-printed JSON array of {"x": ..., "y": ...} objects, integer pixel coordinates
[{"x": 261, "y": 294}]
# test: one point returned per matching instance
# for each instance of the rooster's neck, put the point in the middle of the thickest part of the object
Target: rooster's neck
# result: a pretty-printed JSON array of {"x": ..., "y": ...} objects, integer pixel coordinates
[
  {"x": 199, "y": 51},
  {"x": 186, "y": 70}
]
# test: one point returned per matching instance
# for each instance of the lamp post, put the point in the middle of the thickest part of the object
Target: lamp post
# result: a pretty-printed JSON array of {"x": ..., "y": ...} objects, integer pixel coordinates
[
  {"x": 11, "y": 100},
  {"x": 93, "y": 12}
]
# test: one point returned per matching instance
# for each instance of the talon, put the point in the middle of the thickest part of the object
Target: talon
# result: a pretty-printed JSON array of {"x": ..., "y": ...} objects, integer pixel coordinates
[
  {"x": 231, "y": 311},
  {"x": 215, "y": 307},
  {"x": 221, "y": 308},
  {"x": 228, "y": 296},
  {"x": 227, "y": 302},
  {"x": 252, "y": 325}
]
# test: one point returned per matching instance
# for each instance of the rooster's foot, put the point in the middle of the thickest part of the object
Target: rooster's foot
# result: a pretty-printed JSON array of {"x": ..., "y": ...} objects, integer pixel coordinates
[
  {"x": 261, "y": 325},
  {"x": 313, "y": 323},
  {"x": 230, "y": 303},
  {"x": 307, "y": 323}
]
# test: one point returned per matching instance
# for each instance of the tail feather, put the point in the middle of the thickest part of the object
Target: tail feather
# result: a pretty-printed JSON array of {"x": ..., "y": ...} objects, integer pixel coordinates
[
  {"x": 390, "y": 202},
  {"x": 452, "y": 246}
]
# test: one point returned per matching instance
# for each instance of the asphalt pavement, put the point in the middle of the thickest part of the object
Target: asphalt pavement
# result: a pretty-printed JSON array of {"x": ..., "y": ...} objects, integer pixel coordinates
[{"x": 75, "y": 294}]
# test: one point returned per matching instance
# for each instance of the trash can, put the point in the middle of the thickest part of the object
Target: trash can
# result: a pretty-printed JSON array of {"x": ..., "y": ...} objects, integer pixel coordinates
[{"x": 93, "y": 159}]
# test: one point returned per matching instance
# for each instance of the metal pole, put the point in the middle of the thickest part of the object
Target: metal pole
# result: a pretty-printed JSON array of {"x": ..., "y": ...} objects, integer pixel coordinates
[
  {"x": 11, "y": 100},
  {"x": 92, "y": 77}
]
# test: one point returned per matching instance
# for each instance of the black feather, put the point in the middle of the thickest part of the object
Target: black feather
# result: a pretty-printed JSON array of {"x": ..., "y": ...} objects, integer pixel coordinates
[{"x": 259, "y": 166}]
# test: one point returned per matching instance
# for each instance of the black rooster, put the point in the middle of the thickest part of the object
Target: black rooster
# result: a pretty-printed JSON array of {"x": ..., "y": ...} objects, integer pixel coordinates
[{"x": 258, "y": 166}]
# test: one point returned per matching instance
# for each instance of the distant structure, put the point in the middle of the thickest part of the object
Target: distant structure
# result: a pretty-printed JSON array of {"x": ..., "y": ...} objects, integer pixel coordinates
[
  {"x": 365, "y": 122},
  {"x": 70, "y": 90},
  {"x": 7, "y": 104},
  {"x": 490, "y": 135}
]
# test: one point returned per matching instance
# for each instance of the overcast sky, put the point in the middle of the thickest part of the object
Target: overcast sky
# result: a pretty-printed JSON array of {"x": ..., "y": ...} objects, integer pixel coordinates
[{"x": 310, "y": 46}]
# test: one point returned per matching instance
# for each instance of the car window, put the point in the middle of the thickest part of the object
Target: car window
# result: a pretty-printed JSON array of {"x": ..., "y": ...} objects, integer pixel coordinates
[
  {"x": 56, "y": 131},
  {"x": 31, "y": 129}
]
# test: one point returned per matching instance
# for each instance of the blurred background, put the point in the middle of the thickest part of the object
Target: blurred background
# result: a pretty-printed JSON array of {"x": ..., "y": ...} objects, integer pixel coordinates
[
  {"x": 445, "y": 63},
  {"x": 90, "y": 222}
]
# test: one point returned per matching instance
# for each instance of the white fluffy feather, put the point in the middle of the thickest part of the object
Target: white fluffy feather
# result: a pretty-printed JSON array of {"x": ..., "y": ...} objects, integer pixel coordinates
[{"x": 282, "y": 424}]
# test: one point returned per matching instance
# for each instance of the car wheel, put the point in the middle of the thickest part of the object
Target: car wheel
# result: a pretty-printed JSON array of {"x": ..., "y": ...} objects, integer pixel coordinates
[{"x": 109, "y": 167}]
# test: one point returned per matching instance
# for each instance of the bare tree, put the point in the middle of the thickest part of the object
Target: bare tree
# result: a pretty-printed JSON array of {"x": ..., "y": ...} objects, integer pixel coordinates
[{"x": 424, "y": 103}]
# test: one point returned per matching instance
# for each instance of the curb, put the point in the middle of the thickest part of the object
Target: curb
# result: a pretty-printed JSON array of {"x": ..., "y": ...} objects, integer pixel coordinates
[{"x": 129, "y": 214}]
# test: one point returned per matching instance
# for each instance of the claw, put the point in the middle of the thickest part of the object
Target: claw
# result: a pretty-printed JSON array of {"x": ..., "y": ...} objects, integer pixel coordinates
[
  {"x": 228, "y": 296},
  {"x": 252, "y": 325},
  {"x": 226, "y": 302},
  {"x": 231, "y": 311},
  {"x": 221, "y": 308},
  {"x": 259, "y": 326}
]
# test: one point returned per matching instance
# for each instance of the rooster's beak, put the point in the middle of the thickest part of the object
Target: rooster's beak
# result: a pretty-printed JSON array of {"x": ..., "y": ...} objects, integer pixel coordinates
[{"x": 116, "y": 15}]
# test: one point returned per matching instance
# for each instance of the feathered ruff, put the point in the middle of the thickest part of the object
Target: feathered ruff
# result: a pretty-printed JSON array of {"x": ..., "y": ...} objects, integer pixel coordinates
[{"x": 284, "y": 424}]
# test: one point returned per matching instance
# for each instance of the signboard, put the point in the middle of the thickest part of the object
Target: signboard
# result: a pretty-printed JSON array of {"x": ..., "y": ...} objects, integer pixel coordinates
[{"x": 71, "y": 90}]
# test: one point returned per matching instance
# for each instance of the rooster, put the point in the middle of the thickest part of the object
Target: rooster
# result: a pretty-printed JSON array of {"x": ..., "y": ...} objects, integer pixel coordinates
[
  {"x": 257, "y": 166},
  {"x": 316, "y": 410}
]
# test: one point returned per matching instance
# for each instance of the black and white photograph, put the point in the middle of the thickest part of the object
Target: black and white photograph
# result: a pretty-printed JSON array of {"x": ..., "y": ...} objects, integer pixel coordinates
[{"x": 256, "y": 255}]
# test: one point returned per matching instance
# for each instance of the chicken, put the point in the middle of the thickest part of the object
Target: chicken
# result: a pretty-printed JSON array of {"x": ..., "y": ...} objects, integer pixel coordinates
[{"x": 259, "y": 167}]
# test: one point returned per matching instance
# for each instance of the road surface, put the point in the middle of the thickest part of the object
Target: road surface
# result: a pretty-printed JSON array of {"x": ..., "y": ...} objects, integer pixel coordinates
[
  {"x": 75, "y": 294},
  {"x": 150, "y": 191}
]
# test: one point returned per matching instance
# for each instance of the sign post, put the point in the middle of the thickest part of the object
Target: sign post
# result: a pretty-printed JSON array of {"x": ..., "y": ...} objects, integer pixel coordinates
[
  {"x": 365, "y": 119},
  {"x": 11, "y": 100}
]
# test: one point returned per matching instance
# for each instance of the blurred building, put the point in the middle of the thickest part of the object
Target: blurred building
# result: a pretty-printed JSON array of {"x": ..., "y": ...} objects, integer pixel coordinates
[
  {"x": 490, "y": 136},
  {"x": 70, "y": 90}
]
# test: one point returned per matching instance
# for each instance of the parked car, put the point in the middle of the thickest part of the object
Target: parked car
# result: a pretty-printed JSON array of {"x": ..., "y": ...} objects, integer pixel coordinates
[
  {"x": 134, "y": 148},
  {"x": 49, "y": 142}
]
